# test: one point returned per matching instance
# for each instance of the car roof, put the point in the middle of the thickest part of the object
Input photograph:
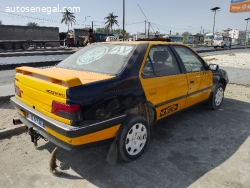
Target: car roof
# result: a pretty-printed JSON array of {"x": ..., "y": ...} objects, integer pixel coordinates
[{"x": 147, "y": 40}]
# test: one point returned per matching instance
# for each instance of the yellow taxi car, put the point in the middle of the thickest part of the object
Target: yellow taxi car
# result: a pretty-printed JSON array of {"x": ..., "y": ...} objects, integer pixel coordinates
[{"x": 114, "y": 90}]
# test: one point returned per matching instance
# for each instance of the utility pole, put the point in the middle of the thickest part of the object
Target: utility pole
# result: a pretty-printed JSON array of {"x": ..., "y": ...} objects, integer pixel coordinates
[
  {"x": 170, "y": 33},
  {"x": 148, "y": 28},
  {"x": 201, "y": 29},
  {"x": 145, "y": 29},
  {"x": 246, "y": 28},
  {"x": 92, "y": 26},
  {"x": 123, "y": 24},
  {"x": 214, "y": 10}
]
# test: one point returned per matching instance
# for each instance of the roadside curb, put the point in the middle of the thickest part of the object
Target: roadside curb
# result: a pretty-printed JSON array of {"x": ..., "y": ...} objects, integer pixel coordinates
[
  {"x": 31, "y": 64},
  {"x": 6, "y": 98},
  {"x": 36, "y": 53},
  {"x": 14, "y": 130},
  {"x": 212, "y": 50}
]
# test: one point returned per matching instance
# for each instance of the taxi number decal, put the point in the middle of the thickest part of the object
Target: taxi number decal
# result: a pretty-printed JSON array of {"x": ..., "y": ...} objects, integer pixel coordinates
[
  {"x": 168, "y": 110},
  {"x": 121, "y": 50}
]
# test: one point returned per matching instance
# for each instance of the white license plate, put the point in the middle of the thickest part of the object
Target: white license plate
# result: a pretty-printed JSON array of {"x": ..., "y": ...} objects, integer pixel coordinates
[{"x": 36, "y": 120}]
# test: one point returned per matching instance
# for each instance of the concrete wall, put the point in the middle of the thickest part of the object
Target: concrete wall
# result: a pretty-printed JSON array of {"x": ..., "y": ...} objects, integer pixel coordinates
[
  {"x": 238, "y": 75},
  {"x": 13, "y": 32}
]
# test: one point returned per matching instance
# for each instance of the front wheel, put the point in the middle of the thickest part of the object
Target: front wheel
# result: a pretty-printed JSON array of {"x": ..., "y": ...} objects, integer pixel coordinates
[
  {"x": 132, "y": 137},
  {"x": 217, "y": 97}
]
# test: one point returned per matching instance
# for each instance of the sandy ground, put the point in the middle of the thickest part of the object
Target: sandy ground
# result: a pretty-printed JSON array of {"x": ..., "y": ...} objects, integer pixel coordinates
[
  {"x": 197, "y": 148},
  {"x": 7, "y": 114},
  {"x": 237, "y": 60}
]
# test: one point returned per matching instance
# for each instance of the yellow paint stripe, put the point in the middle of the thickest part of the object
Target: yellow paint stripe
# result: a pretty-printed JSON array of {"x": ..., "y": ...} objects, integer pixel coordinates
[
  {"x": 89, "y": 138},
  {"x": 23, "y": 113}
]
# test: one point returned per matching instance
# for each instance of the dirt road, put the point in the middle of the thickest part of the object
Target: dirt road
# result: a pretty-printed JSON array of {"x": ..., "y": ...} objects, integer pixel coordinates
[{"x": 196, "y": 148}]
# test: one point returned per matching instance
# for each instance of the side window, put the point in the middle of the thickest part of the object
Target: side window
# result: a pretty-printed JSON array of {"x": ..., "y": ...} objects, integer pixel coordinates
[
  {"x": 191, "y": 61},
  {"x": 160, "y": 62}
]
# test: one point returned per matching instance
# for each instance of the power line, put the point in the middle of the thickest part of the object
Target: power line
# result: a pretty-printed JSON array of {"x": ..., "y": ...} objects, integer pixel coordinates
[{"x": 146, "y": 18}]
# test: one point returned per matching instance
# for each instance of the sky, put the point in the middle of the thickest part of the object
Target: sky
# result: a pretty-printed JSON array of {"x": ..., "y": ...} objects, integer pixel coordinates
[{"x": 179, "y": 16}]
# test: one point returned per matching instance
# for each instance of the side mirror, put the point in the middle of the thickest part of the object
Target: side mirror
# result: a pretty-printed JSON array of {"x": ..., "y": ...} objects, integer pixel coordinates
[{"x": 213, "y": 67}]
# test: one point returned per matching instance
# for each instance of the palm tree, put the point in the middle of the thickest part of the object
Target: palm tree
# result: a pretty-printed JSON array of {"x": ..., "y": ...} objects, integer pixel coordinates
[
  {"x": 32, "y": 24},
  {"x": 111, "y": 20},
  {"x": 68, "y": 18}
]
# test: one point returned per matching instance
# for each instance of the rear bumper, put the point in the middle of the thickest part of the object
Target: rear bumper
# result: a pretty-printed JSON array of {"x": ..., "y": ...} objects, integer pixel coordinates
[{"x": 66, "y": 136}]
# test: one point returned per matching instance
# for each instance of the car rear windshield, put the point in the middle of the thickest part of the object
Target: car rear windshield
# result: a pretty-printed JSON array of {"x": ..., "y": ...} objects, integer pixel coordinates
[{"x": 102, "y": 58}]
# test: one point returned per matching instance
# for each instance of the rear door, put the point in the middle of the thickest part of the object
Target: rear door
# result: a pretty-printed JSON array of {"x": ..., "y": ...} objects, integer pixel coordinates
[
  {"x": 199, "y": 77},
  {"x": 164, "y": 84}
]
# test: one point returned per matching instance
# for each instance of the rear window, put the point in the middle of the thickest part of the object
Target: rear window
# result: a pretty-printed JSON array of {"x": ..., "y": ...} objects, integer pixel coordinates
[{"x": 100, "y": 58}]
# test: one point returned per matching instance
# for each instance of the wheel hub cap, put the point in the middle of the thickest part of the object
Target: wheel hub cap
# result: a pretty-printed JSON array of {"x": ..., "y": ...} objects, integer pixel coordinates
[
  {"x": 219, "y": 96},
  {"x": 136, "y": 139}
]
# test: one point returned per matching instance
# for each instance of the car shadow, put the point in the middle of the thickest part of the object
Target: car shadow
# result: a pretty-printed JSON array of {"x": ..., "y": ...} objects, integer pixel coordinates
[{"x": 182, "y": 148}]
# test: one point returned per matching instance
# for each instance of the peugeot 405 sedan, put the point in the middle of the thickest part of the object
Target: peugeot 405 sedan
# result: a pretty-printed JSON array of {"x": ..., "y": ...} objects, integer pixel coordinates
[{"x": 115, "y": 90}]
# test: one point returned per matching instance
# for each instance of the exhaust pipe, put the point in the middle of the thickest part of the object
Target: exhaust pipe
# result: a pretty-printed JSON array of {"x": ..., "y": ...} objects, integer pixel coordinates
[{"x": 17, "y": 121}]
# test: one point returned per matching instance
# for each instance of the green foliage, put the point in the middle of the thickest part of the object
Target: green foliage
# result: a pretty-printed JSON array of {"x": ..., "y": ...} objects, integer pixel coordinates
[
  {"x": 199, "y": 34},
  {"x": 111, "y": 21},
  {"x": 32, "y": 24},
  {"x": 186, "y": 33},
  {"x": 231, "y": 54},
  {"x": 68, "y": 18}
]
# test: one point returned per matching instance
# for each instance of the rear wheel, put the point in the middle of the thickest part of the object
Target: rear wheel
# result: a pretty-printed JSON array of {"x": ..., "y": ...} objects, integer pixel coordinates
[
  {"x": 133, "y": 137},
  {"x": 217, "y": 98}
]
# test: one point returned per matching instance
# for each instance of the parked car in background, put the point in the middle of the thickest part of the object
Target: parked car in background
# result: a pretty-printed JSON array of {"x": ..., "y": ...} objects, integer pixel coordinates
[
  {"x": 115, "y": 90},
  {"x": 111, "y": 38}
]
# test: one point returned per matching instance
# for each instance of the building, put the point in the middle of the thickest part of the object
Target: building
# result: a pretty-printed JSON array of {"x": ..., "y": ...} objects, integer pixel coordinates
[{"x": 238, "y": 37}]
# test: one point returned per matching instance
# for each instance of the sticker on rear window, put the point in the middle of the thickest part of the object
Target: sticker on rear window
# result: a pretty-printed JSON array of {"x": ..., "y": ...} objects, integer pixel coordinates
[
  {"x": 92, "y": 55},
  {"x": 121, "y": 50}
]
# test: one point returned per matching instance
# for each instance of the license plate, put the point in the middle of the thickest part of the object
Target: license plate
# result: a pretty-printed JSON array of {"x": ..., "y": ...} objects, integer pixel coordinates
[{"x": 35, "y": 120}]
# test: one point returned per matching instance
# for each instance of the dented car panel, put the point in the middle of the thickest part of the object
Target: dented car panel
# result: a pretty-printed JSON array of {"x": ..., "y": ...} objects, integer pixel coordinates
[{"x": 87, "y": 97}]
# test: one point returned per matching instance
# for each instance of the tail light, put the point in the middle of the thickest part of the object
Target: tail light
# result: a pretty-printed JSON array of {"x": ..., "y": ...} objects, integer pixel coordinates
[
  {"x": 68, "y": 111},
  {"x": 17, "y": 90}
]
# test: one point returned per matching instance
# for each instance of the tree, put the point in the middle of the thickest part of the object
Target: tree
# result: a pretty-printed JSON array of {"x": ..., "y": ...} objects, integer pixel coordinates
[
  {"x": 111, "y": 20},
  {"x": 1, "y": 23},
  {"x": 68, "y": 18},
  {"x": 186, "y": 33},
  {"x": 199, "y": 34},
  {"x": 32, "y": 24}
]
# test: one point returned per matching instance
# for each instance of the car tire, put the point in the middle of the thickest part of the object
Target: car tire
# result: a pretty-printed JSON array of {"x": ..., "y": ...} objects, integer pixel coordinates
[
  {"x": 17, "y": 45},
  {"x": 25, "y": 45},
  {"x": 133, "y": 137},
  {"x": 7, "y": 46},
  {"x": 217, "y": 97}
]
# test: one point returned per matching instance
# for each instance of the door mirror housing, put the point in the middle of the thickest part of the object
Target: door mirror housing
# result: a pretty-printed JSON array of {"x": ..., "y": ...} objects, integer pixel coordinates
[{"x": 213, "y": 67}]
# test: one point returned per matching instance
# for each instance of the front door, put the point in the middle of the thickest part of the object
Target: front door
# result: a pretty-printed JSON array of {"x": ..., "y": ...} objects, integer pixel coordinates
[
  {"x": 163, "y": 83},
  {"x": 199, "y": 77}
]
